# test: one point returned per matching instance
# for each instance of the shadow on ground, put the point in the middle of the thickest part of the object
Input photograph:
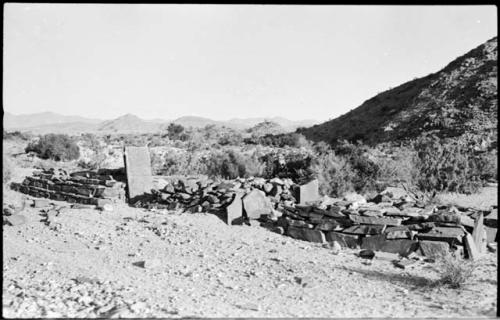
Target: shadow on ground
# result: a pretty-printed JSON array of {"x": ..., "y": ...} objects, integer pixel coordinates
[{"x": 415, "y": 282}]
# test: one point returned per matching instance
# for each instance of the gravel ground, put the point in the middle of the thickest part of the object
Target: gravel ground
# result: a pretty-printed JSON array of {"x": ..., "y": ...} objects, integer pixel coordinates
[{"x": 87, "y": 263}]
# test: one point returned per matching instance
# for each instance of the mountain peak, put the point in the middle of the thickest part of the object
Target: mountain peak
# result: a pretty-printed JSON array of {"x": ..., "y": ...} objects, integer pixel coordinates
[{"x": 460, "y": 98}]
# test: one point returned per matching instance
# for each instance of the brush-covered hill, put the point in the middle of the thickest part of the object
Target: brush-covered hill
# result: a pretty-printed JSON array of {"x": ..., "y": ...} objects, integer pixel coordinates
[
  {"x": 264, "y": 128},
  {"x": 461, "y": 98},
  {"x": 129, "y": 123}
]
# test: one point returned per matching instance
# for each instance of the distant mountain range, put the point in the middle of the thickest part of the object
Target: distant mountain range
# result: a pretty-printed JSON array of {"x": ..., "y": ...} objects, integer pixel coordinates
[
  {"x": 49, "y": 122},
  {"x": 459, "y": 99}
]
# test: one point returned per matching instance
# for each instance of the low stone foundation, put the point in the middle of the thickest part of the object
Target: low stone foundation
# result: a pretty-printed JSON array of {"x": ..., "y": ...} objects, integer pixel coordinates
[{"x": 86, "y": 187}]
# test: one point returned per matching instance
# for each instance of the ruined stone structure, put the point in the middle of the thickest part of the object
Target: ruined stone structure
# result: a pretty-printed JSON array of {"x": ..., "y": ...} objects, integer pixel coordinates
[{"x": 87, "y": 187}]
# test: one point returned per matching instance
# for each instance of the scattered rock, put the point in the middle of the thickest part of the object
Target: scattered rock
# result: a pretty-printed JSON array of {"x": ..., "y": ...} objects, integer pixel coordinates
[
  {"x": 367, "y": 254},
  {"x": 15, "y": 220},
  {"x": 148, "y": 264},
  {"x": 41, "y": 203}
]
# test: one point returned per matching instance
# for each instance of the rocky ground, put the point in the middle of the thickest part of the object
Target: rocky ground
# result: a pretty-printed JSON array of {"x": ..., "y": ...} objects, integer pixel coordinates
[{"x": 137, "y": 263}]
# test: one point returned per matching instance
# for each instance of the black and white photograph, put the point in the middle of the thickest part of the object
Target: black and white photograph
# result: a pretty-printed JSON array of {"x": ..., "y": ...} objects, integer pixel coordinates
[{"x": 249, "y": 161}]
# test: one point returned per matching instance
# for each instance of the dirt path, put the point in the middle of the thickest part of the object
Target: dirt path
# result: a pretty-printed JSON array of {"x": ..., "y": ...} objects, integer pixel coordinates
[{"x": 198, "y": 266}]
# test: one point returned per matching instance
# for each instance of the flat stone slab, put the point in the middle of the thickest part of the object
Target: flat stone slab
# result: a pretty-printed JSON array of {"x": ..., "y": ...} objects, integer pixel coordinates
[
  {"x": 375, "y": 220},
  {"x": 434, "y": 249},
  {"x": 306, "y": 234},
  {"x": 402, "y": 247},
  {"x": 364, "y": 229},
  {"x": 327, "y": 225},
  {"x": 491, "y": 234},
  {"x": 138, "y": 169},
  {"x": 15, "y": 219},
  {"x": 345, "y": 240},
  {"x": 400, "y": 232},
  {"x": 450, "y": 235}
]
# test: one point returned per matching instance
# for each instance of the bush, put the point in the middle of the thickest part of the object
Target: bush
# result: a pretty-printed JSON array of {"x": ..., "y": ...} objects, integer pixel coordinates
[
  {"x": 366, "y": 171},
  {"x": 227, "y": 165},
  {"x": 16, "y": 135},
  {"x": 455, "y": 271},
  {"x": 294, "y": 165},
  {"x": 175, "y": 131},
  {"x": 335, "y": 174},
  {"x": 294, "y": 140},
  {"x": 448, "y": 165},
  {"x": 398, "y": 165},
  {"x": 6, "y": 170},
  {"x": 59, "y": 147}
]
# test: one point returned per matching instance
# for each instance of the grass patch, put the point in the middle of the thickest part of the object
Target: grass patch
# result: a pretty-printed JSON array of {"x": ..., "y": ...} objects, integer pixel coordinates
[{"x": 454, "y": 272}]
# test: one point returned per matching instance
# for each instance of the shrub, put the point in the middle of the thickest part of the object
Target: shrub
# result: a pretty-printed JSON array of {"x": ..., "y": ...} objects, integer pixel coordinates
[
  {"x": 398, "y": 165},
  {"x": 16, "y": 135},
  {"x": 487, "y": 164},
  {"x": 230, "y": 138},
  {"x": 448, "y": 165},
  {"x": 7, "y": 169},
  {"x": 294, "y": 165},
  {"x": 227, "y": 165},
  {"x": 366, "y": 171},
  {"x": 59, "y": 147},
  {"x": 335, "y": 174},
  {"x": 294, "y": 140},
  {"x": 455, "y": 271},
  {"x": 175, "y": 131}
]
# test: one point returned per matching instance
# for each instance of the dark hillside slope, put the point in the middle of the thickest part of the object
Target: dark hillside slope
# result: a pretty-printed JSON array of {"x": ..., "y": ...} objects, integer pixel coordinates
[{"x": 461, "y": 98}]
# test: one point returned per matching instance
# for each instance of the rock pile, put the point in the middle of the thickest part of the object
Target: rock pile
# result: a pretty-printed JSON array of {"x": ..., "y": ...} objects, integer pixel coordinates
[
  {"x": 86, "y": 187},
  {"x": 391, "y": 222},
  {"x": 234, "y": 201}
]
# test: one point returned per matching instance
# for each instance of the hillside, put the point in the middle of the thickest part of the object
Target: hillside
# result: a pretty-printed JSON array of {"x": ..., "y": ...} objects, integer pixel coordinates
[
  {"x": 196, "y": 122},
  {"x": 287, "y": 125},
  {"x": 22, "y": 121},
  {"x": 264, "y": 128},
  {"x": 49, "y": 122},
  {"x": 129, "y": 123},
  {"x": 460, "y": 98}
]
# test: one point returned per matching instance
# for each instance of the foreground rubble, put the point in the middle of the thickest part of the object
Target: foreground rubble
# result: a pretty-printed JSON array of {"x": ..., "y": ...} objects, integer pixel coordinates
[
  {"x": 391, "y": 222},
  {"x": 197, "y": 266}
]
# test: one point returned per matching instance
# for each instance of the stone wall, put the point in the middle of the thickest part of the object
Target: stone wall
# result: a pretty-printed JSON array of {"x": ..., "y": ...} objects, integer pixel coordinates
[
  {"x": 86, "y": 187},
  {"x": 392, "y": 221}
]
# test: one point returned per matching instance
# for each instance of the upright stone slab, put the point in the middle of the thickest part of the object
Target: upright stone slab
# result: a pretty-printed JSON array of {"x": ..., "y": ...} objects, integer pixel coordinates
[
  {"x": 138, "y": 168},
  {"x": 471, "y": 247},
  {"x": 234, "y": 211},
  {"x": 308, "y": 192},
  {"x": 256, "y": 204},
  {"x": 478, "y": 234}
]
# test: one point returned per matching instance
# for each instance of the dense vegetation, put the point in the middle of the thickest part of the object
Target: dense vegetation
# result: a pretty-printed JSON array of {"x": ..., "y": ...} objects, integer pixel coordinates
[
  {"x": 429, "y": 162},
  {"x": 59, "y": 147}
]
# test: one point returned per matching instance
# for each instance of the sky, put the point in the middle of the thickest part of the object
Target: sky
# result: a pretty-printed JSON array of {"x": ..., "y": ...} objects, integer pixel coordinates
[{"x": 224, "y": 61}]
